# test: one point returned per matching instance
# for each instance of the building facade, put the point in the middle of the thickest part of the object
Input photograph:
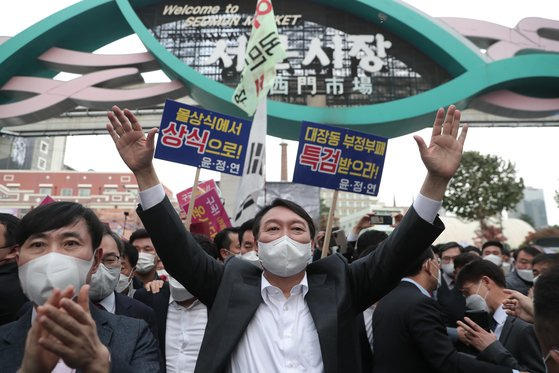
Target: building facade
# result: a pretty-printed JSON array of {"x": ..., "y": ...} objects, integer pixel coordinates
[{"x": 110, "y": 195}]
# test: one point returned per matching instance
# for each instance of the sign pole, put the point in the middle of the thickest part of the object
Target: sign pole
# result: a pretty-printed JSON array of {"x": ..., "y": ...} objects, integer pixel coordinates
[
  {"x": 192, "y": 199},
  {"x": 329, "y": 225}
]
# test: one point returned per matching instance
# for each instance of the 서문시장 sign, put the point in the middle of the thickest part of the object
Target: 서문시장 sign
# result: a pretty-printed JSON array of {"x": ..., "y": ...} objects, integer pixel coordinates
[
  {"x": 338, "y": 158},
  {"x": 202, "y": 138}
]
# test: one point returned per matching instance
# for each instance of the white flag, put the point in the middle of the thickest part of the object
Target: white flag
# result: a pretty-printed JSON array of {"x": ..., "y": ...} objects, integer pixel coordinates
[
  {"x": 264, "y": 50},
  {"x": 253, "y": 181}
]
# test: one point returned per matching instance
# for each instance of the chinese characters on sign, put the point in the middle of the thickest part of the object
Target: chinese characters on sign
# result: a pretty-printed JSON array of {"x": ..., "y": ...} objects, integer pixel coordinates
[
  {"x": 337, "y": 158},
  {"x": 202, "y": 138},
  {"x": 209, "y": 210},
  {"x": 368, "y": 50}
]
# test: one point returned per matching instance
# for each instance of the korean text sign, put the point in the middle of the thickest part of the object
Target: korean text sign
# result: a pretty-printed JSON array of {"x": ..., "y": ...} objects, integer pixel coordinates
[
  {"x": 203, "y": 187},
  {"x": 338, "y": 158},
  {"x": 202, "y": 138},
  {"x": 209, "y": 210}
]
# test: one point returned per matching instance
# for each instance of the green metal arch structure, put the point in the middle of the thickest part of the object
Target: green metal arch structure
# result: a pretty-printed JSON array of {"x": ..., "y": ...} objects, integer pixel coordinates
[{"x": 91, "y": 24}]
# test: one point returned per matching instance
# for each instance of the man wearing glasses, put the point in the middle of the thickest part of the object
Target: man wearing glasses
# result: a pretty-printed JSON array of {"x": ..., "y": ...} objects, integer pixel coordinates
[
  {"x": 103, "y": 283},
  {"x": 11, "y": 295}
]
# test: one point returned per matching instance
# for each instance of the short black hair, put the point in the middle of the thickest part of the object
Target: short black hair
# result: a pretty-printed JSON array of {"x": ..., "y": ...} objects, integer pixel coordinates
[
  {"x": 493, "y": 243},
  {"x": 246, "y": 226},
  {"x": 471, "y": 248},
  {"x": 416, "y": 268},
  {"x": 552, "y": 259},
  {"x": 367, "y": 242},
  {"x": 130, "y": 253},
  {"x": 546, "y": 307},
  {"x": 57, "y": 215},
  {"x": 475, "y": 270},
  {"x": 11, "y": 223},
  {"x": 449, "y": 245},
  {"x": 280, "y": 202},
  {"x": 530, "y": 250},
  {"x": 465, "y": 258},
  {"x": 137, "y": 234},
  {"x": 222, "y": 240},
  {"x": 206, "y": 243},
  {"x": 116, "y": 238}
]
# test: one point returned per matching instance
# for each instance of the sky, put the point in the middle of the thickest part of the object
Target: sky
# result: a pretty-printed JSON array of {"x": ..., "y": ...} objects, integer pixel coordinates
[{"x": 533, "y": 150}]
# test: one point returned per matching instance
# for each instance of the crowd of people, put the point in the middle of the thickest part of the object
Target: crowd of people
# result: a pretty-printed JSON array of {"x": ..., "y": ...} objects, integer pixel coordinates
[{"x": 75, "y": 296}]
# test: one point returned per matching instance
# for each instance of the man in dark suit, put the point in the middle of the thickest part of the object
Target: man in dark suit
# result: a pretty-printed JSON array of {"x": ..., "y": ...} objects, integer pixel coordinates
[
  {"x": 289, "y": 316},
  {"x": 512, "y": 341},
  {"x": 408, "y": 330},
  {"x": 57, "y": 250},
  {"x": 546, "y": 317},
  {"x": 11, "y": 295},
  {"x": 448, "y": 295},
  {"x": 104, "y": 281}
]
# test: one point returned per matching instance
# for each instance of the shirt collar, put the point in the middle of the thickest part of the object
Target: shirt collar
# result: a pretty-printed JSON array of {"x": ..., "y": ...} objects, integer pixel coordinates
[
  {"x": 421, "y": 288},
  {"x": 449, "y": 280},
  {"x": 500, "y": 316},
  {"x": 174, "y": 302},
  {"x": 302, "y": 286},
  {"x": 109, "y": 302}
]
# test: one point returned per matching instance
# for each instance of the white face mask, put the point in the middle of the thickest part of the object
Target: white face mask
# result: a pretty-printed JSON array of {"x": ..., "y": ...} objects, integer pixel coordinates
[
  {"x": 252, "y": 258},
  {"x": 526, "y": 274},
  {"x": 495, "y": 259},
  {"x": 506, "y": 267},
  {"x": 41, "y": 275},
  {"x": 103, "y": 282},
  {"x": 123, "y": 282},
  {"x": 448, "y": 269},
  {"x": 476, "y": 302},
  {"x": 146, "y": 262},
  {"x": 178, "y": 292},
  {"x": 438, "y": 278},
  {"x": 284, "y": 257}
]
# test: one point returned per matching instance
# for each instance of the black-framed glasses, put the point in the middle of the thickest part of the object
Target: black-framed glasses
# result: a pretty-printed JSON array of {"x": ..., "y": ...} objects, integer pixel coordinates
[{"x": 111, "y": 260}]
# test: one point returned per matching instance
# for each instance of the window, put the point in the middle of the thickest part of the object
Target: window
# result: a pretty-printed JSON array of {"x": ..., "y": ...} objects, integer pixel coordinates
[
  {"x": 117, "y": 198},
  {"x": 8, "y": 177},
  {"x": 44, "y": 147},
  {"x": 110, "y": 190},
  {"x": 66, "y": 192},
  {"x": 42, "y": 163},
  {"x": 125, "y": 179},
  {"x": 45, "y": 191},
  {"x": 84, "y": 192}
]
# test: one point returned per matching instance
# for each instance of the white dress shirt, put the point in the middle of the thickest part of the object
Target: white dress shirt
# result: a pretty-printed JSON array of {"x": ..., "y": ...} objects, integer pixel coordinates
[
  {"x": 500, "y": 316},
  {"x": 281, "y": 337},
  {"x": 108, "y": 303},
  {"x": 183, "y": 336}
]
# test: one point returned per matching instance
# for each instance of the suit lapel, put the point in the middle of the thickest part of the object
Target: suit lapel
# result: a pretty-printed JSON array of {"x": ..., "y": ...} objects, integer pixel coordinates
[
  {"x": 507, "y": 328},
  {"x": 104, "y": 330},
  {"x": 321, "y": 300}
]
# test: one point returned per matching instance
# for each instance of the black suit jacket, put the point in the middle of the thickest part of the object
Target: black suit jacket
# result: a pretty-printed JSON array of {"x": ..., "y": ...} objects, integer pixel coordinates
[
  {"x": 338, "y": 291},
  {"x": 131, "y": 344},
  {"x": 160, "y": 304},
  {"x": 11, "y": 295},
  {"x": 409, "y": 336},
  {"x": 452, "y": 302},
  {"x": 517, "y": 347}
]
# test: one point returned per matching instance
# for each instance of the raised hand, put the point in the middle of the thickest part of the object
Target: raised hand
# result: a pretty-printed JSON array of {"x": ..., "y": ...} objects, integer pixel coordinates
[
  {"x": 135, "y": 148},
  {"x": 73, "y": 334},
  {"x": 442, "y": 156}
]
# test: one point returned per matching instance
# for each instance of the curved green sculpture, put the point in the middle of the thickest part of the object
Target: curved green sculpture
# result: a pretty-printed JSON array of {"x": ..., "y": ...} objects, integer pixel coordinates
[{"x": 78, "y": 28}]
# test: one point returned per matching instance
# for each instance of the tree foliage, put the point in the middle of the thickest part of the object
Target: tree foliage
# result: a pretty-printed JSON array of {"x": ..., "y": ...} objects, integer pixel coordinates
[{"x": 483, "y": 187}]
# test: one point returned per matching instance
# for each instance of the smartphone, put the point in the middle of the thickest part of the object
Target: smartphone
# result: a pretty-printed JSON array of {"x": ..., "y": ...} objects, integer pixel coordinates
[
  {"x": 381, "y": 219},
  {"x": 479, "y": 317}
]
